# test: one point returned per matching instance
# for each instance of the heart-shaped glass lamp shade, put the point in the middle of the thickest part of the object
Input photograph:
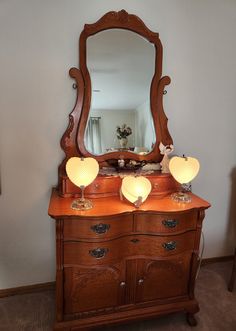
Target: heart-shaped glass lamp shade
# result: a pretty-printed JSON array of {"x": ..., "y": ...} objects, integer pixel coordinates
[
  {"x": 184, "y": 170},
  {"x": 136, "y": 189},
  {"x": 82, "y": 172}
]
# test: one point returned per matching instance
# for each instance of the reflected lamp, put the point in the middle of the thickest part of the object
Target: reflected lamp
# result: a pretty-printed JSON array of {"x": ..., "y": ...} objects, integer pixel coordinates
[
  {"x": 184, "y": 170},
  {"x": 82, "y": 172},
  {"x": 136, "y": 189}
]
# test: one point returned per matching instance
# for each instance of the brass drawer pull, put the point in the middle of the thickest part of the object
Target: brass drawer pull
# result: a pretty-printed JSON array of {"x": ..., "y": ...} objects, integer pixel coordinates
[
  {"x": 140, "y": 281},
  {"x": 170, "y": 223},
  {"x": 100, "y": 228},
  {"x": 170, "y": 246},
  {"x": 99, "y": 253},
  {"x": 135, "y": 241}
]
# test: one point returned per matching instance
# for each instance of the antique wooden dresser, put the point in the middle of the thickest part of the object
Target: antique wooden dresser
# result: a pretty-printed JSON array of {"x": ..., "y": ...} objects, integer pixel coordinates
[{"x": 117, "y": 263}]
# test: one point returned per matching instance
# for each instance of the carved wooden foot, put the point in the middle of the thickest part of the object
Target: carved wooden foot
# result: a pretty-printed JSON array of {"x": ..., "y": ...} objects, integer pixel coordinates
[{"x": 191, "y": 319}]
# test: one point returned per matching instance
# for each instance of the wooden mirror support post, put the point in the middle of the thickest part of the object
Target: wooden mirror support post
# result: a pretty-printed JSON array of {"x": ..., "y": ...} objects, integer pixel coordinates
[{"x": 117, "y": 263}]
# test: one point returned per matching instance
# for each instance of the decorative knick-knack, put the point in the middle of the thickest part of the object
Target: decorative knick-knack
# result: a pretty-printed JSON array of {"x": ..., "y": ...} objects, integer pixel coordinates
[{"x": 165, "y": 150}]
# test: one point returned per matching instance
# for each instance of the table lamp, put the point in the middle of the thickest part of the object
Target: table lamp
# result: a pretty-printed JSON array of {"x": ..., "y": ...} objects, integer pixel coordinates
[
  {"x": 82, "y": 172},
  {"x": 183, "y": 169},
  {"x": 136, "y": 189}
]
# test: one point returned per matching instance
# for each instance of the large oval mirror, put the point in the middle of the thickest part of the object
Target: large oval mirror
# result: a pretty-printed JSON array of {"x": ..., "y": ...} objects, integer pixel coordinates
[{"x": 121, "y": 64}]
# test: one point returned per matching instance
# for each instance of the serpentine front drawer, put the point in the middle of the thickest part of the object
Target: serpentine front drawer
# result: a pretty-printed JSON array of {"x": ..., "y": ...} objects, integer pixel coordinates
[
  {"x": 110, "y": 251},
  {"x": 97, "y": 228},
  {"x": 166, "y": 223}
]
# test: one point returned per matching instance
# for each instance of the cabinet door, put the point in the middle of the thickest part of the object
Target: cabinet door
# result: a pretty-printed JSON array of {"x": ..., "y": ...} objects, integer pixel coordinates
[
  {"x": 164, "y": 278},
  {"x": 93, "y": 288}
]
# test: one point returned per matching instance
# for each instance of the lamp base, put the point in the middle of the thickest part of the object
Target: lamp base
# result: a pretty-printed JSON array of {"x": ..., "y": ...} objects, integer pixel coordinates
[
  {"x": 81, "y": 204},
  {"x": 181, "y": 197}
]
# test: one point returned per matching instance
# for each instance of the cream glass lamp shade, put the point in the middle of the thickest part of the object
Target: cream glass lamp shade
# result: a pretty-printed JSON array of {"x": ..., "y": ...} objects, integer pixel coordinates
[
  {"x": 82, "y": 172},
  {"x": 136, "y": 189},
  {"x": 183, "y": 169}
]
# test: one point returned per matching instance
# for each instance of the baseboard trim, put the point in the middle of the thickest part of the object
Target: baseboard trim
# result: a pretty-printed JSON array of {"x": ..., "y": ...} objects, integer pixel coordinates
[
  {"x": 51, "y": 285},
  {"x": 217, "y": 259},
  {"x": 27, "y": 289}
]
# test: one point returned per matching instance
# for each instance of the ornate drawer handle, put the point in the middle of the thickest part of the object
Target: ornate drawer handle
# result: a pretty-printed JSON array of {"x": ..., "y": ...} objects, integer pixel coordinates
[
  {"x": 100, "y": 228},
  {"x": 170, "y": 246},
  {"x": 98, "y": 253},
  {"x": 170, "y": 223}
]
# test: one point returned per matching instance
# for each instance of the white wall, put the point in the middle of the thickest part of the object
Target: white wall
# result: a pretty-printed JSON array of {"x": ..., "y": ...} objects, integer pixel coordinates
[{"x": 39, "y": 43}]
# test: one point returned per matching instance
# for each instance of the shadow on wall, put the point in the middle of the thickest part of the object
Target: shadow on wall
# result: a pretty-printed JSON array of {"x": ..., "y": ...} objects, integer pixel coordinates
[{"x": 231, "y": 238}]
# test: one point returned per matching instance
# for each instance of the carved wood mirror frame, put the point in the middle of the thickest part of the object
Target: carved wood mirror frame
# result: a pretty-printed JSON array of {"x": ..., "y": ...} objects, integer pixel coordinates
[{"x": 72, "y": 141}]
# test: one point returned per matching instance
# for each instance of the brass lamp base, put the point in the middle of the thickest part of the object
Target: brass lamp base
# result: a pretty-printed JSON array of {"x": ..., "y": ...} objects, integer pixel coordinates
[
  {"x": 81, "y": 204},
  {"x": 181, "y": 197}
]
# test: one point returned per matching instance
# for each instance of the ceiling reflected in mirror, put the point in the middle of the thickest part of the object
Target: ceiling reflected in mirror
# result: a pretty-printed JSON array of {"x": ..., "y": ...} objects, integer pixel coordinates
[{"x": 121, "y": 65}]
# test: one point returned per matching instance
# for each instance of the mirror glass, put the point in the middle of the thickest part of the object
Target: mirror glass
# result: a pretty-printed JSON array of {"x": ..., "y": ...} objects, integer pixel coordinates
[{"x": 121, "y": 64}]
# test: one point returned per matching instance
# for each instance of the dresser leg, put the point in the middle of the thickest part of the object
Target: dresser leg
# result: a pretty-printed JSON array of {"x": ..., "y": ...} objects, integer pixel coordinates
[{"x": 191, "y": 319}]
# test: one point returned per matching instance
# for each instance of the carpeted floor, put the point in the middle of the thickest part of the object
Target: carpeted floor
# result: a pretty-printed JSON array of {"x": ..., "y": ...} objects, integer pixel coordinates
[{"x": 35, "y": 312}]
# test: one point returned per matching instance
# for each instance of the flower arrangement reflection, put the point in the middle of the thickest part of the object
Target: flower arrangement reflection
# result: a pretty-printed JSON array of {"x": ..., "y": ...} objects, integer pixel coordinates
[{"x": 123, "y": 131}]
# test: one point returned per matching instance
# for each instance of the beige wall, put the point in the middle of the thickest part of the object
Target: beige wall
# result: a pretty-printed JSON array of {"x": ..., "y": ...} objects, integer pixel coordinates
[{"x": 39, "y": 43}]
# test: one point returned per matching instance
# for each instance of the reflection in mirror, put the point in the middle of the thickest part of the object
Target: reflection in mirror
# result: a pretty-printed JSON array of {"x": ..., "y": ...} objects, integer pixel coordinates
[{"x": 121, "y": 65}]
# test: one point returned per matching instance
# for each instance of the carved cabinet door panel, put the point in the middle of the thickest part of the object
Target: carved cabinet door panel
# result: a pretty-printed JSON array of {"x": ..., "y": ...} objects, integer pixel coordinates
[
  {"x": 93, "y": 288},
  {"x": 163, "y": 278}
]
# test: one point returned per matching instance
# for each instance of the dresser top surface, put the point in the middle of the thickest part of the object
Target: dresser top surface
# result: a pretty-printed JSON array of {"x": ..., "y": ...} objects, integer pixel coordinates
[{"x": 61, "y": 207}]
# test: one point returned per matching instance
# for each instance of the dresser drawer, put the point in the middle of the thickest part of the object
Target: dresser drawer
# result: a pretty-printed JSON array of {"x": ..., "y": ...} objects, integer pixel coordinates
[
  {"x": 105, "y": 252},
  {"x": 102, "y": 186},
  {"x": 165, "y": 223},
  {"x": 97, "y": 228},
  {"x": 163, "y": 184}
]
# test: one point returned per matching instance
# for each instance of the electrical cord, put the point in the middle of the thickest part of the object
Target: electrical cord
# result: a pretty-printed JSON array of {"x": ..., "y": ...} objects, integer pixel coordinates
[{"x": 201, "y": 255}]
